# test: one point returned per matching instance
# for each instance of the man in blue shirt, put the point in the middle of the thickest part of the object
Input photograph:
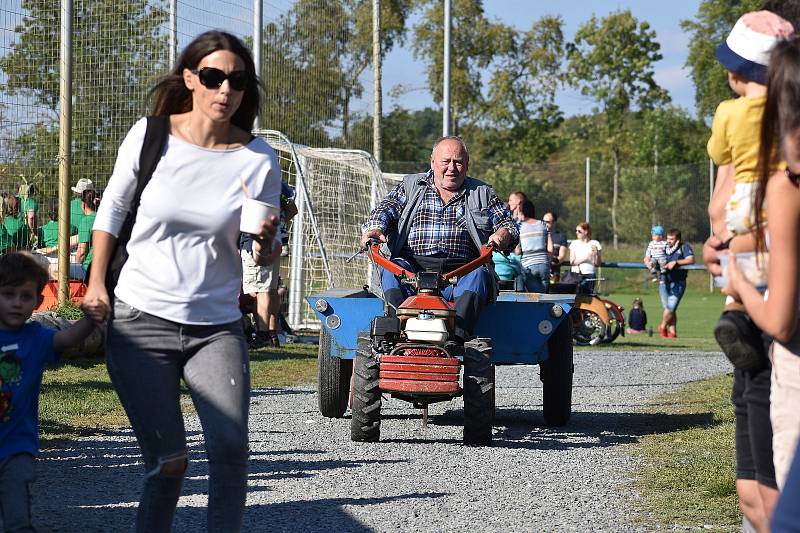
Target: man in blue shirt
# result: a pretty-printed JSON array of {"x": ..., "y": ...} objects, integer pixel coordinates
[
  {"x": 671, "y": 290},
  {"x": 438, "y": 220}
]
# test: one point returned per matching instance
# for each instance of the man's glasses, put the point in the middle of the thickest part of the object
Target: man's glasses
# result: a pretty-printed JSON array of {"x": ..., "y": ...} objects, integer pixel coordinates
[
  {"x": 547, "y": 221},
  {"x": 213, "y": 78}
]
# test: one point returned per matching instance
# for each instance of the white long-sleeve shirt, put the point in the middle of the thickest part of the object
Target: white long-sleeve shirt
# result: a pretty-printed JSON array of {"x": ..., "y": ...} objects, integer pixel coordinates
[{"x": 184, "y": 262}]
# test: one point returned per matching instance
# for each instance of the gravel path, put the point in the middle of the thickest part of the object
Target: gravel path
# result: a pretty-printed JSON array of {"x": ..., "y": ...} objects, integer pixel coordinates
[{"x": 306, "y": 474}]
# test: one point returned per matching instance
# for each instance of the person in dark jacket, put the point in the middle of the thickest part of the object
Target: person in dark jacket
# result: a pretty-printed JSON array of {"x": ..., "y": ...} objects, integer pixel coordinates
[{"x": 637, "y": 317}]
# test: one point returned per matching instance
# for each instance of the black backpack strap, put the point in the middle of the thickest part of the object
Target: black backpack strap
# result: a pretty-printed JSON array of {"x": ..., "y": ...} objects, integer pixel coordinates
[{"x": 155, "y": 138}]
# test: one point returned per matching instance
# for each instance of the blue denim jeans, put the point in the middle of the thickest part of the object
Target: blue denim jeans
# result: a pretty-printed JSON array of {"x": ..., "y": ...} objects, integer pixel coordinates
[
  {"x": 471, "y": 294},
  {"x": 671, "y": 293},
  {"x": 17, "y": 473},
  {"x": 536, "y": 278},
  {"x": 147, "y": 356}
]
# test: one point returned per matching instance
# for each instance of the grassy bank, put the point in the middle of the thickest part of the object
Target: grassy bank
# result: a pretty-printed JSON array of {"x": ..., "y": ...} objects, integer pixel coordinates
[
  {"x": 77, "y": 395},
  {"x": 687, "y": 476}
]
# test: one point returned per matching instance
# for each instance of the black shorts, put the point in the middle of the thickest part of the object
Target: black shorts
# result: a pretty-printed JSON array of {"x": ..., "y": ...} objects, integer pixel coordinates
[{"x": 750, "y": 397}]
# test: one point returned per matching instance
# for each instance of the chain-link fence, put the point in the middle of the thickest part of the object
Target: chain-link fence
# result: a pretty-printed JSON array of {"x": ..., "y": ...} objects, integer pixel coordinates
[{"x": 314, "y": 72}]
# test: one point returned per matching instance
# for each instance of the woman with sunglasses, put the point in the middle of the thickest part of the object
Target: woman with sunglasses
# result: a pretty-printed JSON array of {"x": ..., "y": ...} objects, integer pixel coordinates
[
  {"x": 175, "y": 313},
  {"x": 584, "y": 255}
]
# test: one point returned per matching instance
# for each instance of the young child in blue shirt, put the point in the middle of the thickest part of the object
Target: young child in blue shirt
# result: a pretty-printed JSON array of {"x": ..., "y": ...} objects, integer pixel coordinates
[{"x": 25, "y": 349}]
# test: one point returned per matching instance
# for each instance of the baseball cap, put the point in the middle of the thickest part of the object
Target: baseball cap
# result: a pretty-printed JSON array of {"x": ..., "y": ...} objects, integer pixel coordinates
[
  {"x": 658, "y": 230},
  {"x": 746, "y": 50},
  {"x": 84, "y": 184}
]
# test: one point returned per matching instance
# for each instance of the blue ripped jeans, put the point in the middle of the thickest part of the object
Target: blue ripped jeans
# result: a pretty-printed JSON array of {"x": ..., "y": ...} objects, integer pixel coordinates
[{"x": 147, "y": 357}]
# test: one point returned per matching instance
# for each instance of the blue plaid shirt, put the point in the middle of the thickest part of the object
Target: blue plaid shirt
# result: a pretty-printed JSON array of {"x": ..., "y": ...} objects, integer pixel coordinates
[{"x": 437, "y": 228}]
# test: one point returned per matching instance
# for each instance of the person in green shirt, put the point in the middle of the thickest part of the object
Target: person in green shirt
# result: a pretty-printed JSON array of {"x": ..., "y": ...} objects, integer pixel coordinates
[
  {"x": 15, "y": 225},
  {"x": 29, "y": 208},
  {"x": 76, "y": 205},
  {"x": 47, "y": 236},
  {"x": 84, "y": 254}
]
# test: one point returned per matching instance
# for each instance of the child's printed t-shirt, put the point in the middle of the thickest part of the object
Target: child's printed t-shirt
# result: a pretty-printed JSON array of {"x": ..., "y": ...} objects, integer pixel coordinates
[
  {"x": 23, "y": 356},
  {"x": 735, "y": 136}
]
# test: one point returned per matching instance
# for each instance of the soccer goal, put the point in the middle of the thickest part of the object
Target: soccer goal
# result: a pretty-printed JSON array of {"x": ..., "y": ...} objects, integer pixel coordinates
[{"x": 335, "y": 190}]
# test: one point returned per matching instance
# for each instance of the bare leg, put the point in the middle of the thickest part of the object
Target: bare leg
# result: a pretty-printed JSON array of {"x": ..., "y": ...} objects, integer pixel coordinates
[{"x": 750, "y": 503}]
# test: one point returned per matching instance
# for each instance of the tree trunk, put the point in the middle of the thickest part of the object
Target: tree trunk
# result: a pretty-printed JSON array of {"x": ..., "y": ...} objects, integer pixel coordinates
[
  {"x": 614, "y": 196},
  {"x": 346, "y": 117}
]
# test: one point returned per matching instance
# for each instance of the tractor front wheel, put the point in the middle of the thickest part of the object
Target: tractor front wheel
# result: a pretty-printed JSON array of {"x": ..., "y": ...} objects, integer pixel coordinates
[
  {"x": 333, "y": 379},
  {"x": 365, "y": 425},
  {"x": 478, "y": 393}
]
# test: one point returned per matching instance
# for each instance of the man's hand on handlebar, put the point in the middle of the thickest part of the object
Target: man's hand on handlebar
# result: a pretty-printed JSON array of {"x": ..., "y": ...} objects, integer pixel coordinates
[
  {"x": 500, "y": 240},
  {"x": 372, "y": 235}
]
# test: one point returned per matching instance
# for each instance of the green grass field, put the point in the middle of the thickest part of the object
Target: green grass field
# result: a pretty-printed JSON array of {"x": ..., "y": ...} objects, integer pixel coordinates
[
  {"x": 686, "y": 478},
  {"x": 697, "y": 314}
]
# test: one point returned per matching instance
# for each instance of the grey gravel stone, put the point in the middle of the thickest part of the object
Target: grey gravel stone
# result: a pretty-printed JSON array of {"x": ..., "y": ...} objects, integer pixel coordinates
[{"x": 306, "y": 475}]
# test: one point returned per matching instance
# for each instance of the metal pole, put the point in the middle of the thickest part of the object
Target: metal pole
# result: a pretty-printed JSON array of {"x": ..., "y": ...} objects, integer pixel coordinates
[
  {"x": 258, "y": 41},
  {"x": 377, "y": 96},
  {"x": 710, "y": 226},
  {"x": 588, "y": 185},
  {"x": 446, "y": 72},
  {"x": 173, "y": 32},
  {"x": 64, "y": 149}
]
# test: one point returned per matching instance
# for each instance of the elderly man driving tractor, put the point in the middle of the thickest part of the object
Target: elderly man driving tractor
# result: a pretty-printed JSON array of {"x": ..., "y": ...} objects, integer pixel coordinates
[{"x": 439, "y": 220}]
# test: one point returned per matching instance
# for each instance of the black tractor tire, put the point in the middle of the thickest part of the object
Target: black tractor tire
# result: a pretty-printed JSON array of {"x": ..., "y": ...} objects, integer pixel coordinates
[
  {"x": 479, "y": 394},
  {"x": 556, "y": 374},
  {"x": 365, "y": 425},
  {"x": 333, "y": 379}
]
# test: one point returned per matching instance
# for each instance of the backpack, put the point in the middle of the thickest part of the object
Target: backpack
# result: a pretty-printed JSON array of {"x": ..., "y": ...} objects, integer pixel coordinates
[{"x": 155, "y": 138}]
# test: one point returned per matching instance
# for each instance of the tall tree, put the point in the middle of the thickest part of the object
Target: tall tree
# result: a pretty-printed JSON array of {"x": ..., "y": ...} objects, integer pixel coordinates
[
  {"x": 520, "y": 114},
  {"x": 475, "y": 42},
  {"x": 118, "y": 50},
  {"x": 612, "y": 60},
  {"x": 316, "y": 54},
  {"x": 710, "y": 27}
]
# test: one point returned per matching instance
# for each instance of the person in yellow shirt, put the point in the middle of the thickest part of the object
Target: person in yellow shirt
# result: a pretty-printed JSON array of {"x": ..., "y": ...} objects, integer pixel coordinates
[{"x": 734, "y": 146}]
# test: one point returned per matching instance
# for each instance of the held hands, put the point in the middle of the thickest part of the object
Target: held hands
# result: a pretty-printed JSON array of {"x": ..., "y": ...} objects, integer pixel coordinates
[{"x": 96, "y": 304}]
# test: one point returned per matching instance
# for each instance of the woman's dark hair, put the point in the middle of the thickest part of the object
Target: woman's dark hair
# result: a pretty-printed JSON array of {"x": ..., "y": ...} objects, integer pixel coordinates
[
  {"x": 528, "y": 210},
  {"x": 170, "y": 95},
  {"x": 90, "y": 198},
  {"x": 781, "y": 120}
]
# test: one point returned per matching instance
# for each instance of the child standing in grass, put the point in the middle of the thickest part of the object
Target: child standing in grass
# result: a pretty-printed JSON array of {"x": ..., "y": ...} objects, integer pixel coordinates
[{"x": 25, "y": 348}]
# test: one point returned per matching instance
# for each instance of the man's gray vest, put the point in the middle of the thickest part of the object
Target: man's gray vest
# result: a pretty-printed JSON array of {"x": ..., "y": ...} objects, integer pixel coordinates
[{"x": 478, "y": 194}]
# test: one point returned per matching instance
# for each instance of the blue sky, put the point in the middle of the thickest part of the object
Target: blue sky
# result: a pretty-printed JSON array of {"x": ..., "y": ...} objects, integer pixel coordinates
[{"x": 664, "y": 17}]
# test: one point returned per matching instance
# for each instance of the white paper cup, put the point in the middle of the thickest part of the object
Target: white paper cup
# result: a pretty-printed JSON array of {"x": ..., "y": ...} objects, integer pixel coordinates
[{"x": 254, "y": 212}]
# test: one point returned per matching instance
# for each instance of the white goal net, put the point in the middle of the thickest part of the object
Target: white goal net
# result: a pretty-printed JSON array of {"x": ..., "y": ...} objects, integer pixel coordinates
[{"x": 335, "y": 190}]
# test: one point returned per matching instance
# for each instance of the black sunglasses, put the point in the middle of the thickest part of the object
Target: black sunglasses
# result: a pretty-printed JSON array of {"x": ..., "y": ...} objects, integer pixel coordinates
[{"x": 213, "y": 78}]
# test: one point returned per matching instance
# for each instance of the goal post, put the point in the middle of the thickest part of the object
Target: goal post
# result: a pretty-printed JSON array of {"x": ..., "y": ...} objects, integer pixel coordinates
[{"x": 335, "y": 190}]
